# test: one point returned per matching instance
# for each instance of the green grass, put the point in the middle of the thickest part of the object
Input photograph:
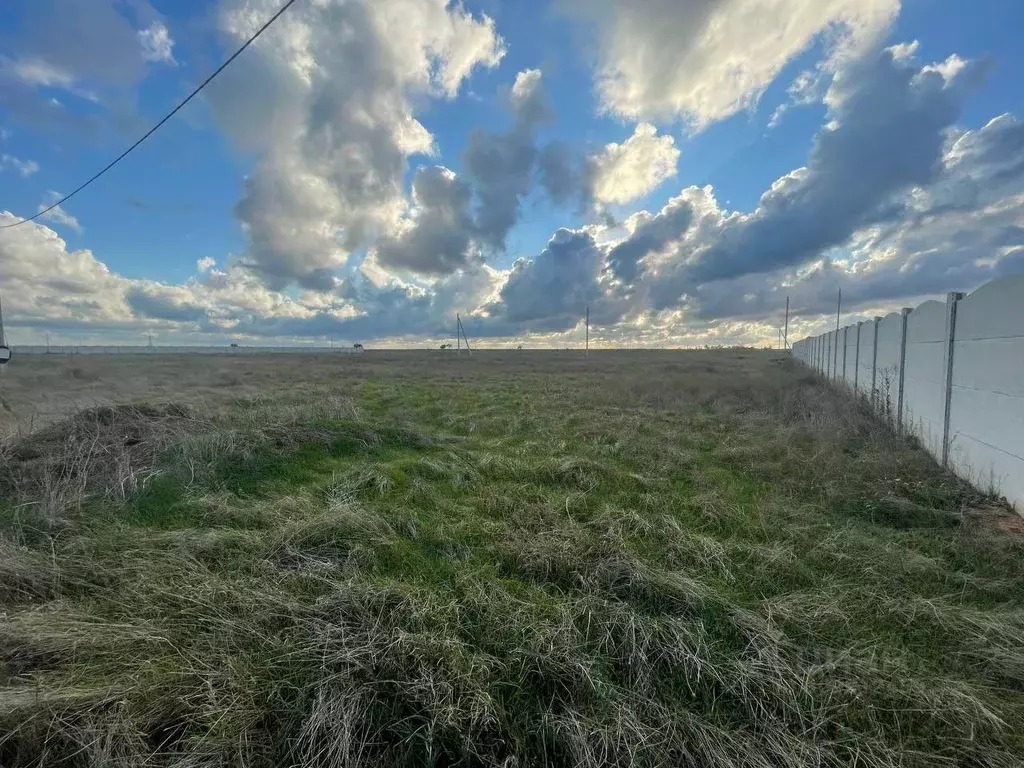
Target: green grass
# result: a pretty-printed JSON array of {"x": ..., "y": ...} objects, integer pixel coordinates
[{"x": 637, "y": 559}]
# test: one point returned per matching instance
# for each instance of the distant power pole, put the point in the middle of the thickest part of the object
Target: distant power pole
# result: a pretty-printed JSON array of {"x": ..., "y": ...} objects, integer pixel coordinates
[
  {"x": 587, "y": 348},
  {"x": 3, "y": 339},
  {"x": 458, "y": 334},
  {"x": 461, "y": 329},
  {"x": 785, "y": 333}
]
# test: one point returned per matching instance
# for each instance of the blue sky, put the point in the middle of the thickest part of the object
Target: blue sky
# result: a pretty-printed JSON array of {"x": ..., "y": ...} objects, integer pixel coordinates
[{"x": 329, "y": 239}]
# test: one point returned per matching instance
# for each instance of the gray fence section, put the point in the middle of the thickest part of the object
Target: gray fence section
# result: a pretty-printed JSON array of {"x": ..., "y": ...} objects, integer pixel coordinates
[
  {"x": 950, "y": 373},
  {"x": 167, "y": 350}
]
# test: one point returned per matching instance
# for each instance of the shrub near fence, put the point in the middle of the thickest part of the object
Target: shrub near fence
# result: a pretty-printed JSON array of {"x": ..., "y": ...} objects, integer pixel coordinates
[{"x": 950, "y": 373}]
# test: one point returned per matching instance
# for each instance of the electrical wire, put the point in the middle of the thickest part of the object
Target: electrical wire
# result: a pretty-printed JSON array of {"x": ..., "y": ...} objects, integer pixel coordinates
[{"x": 171, "y": 114}]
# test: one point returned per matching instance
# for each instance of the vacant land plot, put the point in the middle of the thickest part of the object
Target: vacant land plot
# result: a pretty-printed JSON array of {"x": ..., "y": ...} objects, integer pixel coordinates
[{"x": 514, "y": 559}]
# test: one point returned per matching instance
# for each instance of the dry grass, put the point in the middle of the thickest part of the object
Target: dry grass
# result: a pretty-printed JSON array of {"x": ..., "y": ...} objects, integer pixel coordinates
[{"x": 705, "y": 559}]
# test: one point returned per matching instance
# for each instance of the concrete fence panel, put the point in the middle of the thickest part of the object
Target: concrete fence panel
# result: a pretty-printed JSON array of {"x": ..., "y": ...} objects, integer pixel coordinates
[
  {"x": 924, "y": 402},
  {"x": 986, "y": 429},
  {"x": 950, "y": 373},
  {"x": 850, "y": 356},
  {"x": 888, "y": 362}
]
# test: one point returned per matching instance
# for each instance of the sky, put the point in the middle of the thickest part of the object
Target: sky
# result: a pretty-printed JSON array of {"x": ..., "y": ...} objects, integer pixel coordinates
[{"x": 369, "y": 168}]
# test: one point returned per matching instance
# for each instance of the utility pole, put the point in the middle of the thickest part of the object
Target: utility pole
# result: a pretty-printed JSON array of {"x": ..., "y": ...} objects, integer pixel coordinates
[
  {"x": 458, "y": 334},
  {"x": 47, "y": 342},
  {"x": 462, "y": 329},
  {"x": 587, "y": 348},
  {"x": 3, "y": 339},
  {"x": 839, "y": 305},
  {"x": 785, "y": 333}
]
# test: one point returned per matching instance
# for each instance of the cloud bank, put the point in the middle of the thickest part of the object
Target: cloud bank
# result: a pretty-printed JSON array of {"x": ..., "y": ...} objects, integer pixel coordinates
[{"x": 355, "y": 229}]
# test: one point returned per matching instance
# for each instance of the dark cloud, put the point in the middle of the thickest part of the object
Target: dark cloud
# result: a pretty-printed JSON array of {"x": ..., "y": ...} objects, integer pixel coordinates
[
  {"x": 439, "y": 240},
  {"x": 887, "y": 134},
  {"x": 651, "y": 234},
  {"x": 453, "y": 217},
  {"x": 162, "y": 307},
  {"x": 564, "y": 174},
  {"x": 552, "y": 291},
  {"x": 500, "y": 165}
]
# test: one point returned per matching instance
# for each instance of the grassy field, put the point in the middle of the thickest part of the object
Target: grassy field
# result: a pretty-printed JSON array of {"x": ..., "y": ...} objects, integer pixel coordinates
[{"x": 514, "y": 559}]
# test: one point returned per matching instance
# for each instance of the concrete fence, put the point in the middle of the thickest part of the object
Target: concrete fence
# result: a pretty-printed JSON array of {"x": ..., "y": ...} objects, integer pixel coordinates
[
  {"x": 950, "y": 373},
  {"x": 167, "y": 350}
]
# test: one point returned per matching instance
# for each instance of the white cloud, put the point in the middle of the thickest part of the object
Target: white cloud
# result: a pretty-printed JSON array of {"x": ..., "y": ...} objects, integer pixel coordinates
[
  {"x": 57, "y": 214},
  {"x": 624, "y": 172},
  {"x": 45, "y": 284},
  {"x": 156, "y": 42},
  {"x": 333, "y": 122},
  {"x": 40, "y": 72},
  {"x": 25, "y": 167},
  {"x": 704, "y": 60}
]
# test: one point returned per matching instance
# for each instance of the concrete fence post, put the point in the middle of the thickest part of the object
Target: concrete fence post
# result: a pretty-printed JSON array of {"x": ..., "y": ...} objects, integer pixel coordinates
[
  {"x": 856, "y": 361},
  {"x": 904, "y": 313},
  {"x": 874, "y": 364},
  {"x": 947, "y": 378}
]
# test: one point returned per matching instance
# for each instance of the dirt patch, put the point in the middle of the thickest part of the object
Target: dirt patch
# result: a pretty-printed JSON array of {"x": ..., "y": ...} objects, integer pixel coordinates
[{"x": 998, "y": 518}]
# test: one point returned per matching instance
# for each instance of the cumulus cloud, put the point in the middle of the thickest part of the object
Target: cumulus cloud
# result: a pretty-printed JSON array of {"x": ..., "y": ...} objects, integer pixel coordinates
[
  {"x": 44, "y": 283},
  {"x": 24, "y": 167},
  {"x": 551, "y": 292},
  {"x": 650, "y": 234},
  {"x": 333, "y": 122},
  {"x": 436, "y": 238},
  {"x": 553, "y": 289},
  {"x": 48, "y": 286},
  {"x": 888, "y": 123},
  {"x": 624, "y": 172},
  {"x": 707, "y": 59},
  {"x": 156, "y": 43},
  {"x": 964, "y": 228}
]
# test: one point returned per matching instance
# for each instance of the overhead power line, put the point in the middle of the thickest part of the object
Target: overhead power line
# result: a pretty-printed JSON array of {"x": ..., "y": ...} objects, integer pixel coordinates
[{"x": 169, "y": 115}]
